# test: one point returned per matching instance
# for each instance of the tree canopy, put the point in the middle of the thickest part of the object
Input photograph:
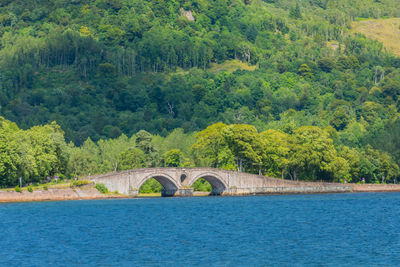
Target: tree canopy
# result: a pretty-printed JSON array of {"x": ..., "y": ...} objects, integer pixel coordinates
[{"x": 244, "y": 82}]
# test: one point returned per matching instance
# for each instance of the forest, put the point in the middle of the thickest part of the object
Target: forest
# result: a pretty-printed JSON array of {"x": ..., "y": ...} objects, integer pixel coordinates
[
  {"x": 309, "y": 153},
  {"x": 91, "y": 86}
]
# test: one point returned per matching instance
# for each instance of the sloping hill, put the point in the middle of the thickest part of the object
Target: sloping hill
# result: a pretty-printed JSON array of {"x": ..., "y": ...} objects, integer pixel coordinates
[
  {"x": 386, "y": 31},
  {"x": 106, "y": 67}
]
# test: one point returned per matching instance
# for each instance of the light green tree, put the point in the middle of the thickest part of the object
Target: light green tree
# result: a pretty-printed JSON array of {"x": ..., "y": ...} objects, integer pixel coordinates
[
  {"x": 173, "y": 158},
  {"x": 275, "y": 152},
  {"x": 85, "y": 159},
  {"x": 311, "y": 154},
  {"x": 246, "y": 145},
  {"x": 132, "y": 158},
  {"x": 144, "y": 141},
  {"x": 110, "y": 151},
  {"x": 10, "y": 158},
  {"x": 211, "y": 148}
]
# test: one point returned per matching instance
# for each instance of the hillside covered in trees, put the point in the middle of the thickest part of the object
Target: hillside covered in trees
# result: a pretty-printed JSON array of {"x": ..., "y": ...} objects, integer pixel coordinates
[
  {"x": 102, "y": 68},
  {"x": 309, "y": 153}
]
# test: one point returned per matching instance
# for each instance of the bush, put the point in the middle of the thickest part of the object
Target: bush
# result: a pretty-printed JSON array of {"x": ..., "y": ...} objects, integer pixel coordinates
[
  {"x": 45, "y": 188},
  {"x": 80, "y": 183},
  {"x": 101, "y": 188},
  {"x": 18, "y": 189},
  {"x": 30, "y": 189}
]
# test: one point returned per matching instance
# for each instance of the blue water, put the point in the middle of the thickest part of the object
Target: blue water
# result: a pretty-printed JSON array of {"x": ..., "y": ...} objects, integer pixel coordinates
[{"x": 316, "y": 230}]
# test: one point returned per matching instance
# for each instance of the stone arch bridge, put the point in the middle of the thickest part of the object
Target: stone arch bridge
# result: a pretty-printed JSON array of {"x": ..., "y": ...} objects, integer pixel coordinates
[{"x": 178, "y": 182}]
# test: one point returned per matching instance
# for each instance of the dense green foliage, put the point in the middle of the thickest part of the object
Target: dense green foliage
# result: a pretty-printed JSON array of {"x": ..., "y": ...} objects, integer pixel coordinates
[
  {"x": 307, "y": 153},
  {"x": 153, "y": 186},
  {"x": 35, "y": 155},
  {"x": 101, "y": 188},
  {"x": 106, "y": 67},
  {"x": 150, "y": 186},
  {"x": 324, "y": 103},
  {"x": 202, "y": 185}
]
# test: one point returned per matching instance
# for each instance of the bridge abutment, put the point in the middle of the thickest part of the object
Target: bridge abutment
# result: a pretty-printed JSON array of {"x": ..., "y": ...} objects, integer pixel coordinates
[
  {"x": 185, "y": 192},
  {"x": 133, "y": 193},
  {"x": 181, "y": 192},
  {"x": 218, "y": 192}
]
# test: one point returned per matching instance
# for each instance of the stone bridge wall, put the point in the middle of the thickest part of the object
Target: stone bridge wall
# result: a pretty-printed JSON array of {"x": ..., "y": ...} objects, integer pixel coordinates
[{"x": 178, "y": 182}]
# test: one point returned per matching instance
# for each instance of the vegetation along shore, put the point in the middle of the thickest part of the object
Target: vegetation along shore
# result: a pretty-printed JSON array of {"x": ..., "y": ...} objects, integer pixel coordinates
[{"x": 300, "y": 90}]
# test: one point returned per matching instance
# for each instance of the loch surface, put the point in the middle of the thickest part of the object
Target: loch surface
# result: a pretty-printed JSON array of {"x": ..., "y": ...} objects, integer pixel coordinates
[{"x": 292, "y": 230}]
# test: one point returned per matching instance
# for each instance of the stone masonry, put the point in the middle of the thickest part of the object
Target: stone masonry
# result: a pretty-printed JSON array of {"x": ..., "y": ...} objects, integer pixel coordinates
[{"x": 178, "y": 182}]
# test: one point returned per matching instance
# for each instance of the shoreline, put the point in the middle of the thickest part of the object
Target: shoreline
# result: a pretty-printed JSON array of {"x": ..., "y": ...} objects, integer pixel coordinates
[
  {"x": 365, "y": 188},
  {"x": 56, "y": 195},
  {"x": 91, "y": 193}
]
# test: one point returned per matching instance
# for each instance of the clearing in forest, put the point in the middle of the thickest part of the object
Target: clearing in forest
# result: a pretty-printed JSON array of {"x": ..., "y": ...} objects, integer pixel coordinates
[
  {"x": 386, "y": 31},
  {"x": 230, "y": 66}
]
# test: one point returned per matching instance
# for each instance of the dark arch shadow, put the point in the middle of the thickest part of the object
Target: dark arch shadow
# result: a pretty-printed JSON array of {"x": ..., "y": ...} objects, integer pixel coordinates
[
  {"x": 218, "y": 187},
  {"x": 169, "y": 186}
]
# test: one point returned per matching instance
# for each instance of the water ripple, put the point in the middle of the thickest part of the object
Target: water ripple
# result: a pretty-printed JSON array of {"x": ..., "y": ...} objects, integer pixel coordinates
[{"x": 312, "y": 230}]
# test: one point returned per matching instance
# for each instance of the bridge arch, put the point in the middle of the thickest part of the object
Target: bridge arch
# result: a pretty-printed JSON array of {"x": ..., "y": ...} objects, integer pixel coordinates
[
  {"x": 217, "y": 183},
  {"x": 170, "y": 186}
]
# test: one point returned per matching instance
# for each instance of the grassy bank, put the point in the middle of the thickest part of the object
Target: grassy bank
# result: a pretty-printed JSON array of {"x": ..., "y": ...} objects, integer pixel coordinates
[
  {"x": 386, "y": 31},
  {"x": 150, "y": 194},
  {"x": 52, "y": 185}
]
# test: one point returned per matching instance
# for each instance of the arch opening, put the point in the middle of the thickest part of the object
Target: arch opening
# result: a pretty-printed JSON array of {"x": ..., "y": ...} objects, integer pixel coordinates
[
  {"x": 201, "y": 187},
  {"x": 157, "y": 185},
  {"x": 150, "y": 187},
  {"x": 217, "y": 186}
]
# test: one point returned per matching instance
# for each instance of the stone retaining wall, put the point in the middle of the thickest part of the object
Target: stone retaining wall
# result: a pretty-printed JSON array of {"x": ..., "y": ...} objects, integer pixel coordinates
[
  {"x": 376, "y": 188},
  {"x": 317, "y": 189},
  {"x": 52, "y": 194}
]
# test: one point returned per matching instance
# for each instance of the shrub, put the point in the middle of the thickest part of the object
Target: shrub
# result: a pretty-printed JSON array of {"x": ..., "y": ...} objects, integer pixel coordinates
[
  {"x": 80, "y": 183},
  {"x": 30, "y": 189},
  {"x": 18, "y": 189},
  {"x": 101, "y": 188}
]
